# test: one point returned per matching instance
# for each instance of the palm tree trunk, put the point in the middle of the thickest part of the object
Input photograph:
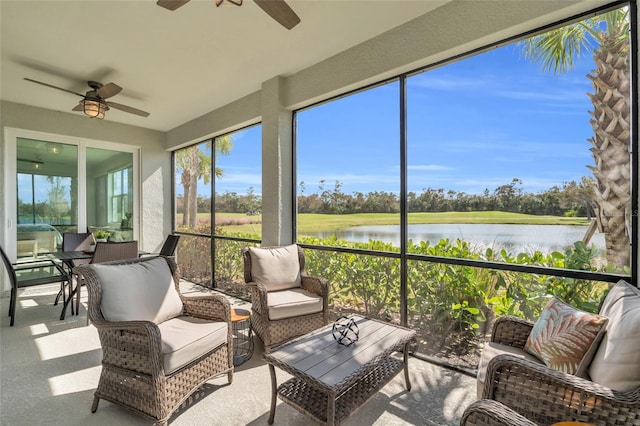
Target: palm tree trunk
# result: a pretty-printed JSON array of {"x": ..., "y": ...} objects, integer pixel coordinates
[{"x": 611, "y": 147}]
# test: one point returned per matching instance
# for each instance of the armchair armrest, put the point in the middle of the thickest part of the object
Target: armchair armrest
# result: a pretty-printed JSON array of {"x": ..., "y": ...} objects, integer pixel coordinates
[
  {"x": 316, "y": 285},
  {"x": 486, "y": 412},
  {"x": 511, "y": 331},
  {"x": 545, "y": 396},
  {"x": 213, "y": 307},
  {"x": 259, "y": 297},
  {"x": 133, "y": 345},
  {"x": 320, "y": 287}
]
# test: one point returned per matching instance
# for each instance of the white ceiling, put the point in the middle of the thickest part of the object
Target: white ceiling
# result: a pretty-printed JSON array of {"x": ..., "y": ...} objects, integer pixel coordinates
[{"x": 176, "y": 65}]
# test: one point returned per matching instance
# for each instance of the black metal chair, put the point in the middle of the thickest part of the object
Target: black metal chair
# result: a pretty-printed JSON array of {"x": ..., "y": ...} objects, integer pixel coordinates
[
  {"x": 32, "y": 273},
  {"x": 76, "y": 241},
  {"x": 170, "y": 245}
]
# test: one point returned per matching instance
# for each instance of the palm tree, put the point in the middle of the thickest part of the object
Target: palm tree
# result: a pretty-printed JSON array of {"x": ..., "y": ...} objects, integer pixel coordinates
[
  {"x": 193, "y": 164},
  {"x": 608, "y": 36}
]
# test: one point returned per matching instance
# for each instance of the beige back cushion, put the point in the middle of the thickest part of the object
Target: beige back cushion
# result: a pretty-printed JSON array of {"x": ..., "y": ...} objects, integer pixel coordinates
[
  {"x": 278, "y": 268},
  {"x": 138, "y": 292},
  {"x": 616, "y": 363}
]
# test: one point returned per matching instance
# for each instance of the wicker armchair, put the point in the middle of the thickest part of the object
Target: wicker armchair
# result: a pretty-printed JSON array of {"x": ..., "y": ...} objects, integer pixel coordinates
[
  {"x": 544, "y": 395},
  {"x": 306, "y": 300},
  {"x": 141, "y": 368}
]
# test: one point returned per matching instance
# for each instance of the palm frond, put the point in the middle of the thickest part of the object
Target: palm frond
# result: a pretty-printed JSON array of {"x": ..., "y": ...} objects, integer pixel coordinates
[{"x": 557, "y": 49}]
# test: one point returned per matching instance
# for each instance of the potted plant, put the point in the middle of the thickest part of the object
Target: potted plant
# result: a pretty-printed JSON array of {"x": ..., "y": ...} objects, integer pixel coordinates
[{"x": 101, "y": 235}]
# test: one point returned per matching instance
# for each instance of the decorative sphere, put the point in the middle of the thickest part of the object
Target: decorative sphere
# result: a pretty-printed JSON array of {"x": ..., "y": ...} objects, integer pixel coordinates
[{"x": 345, "y": 331}]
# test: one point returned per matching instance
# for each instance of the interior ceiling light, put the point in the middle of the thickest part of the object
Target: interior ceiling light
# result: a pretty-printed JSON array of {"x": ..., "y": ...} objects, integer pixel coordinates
[
  {"x": 94, "y": 108},
  {"x": 54, "y": 148},
  {"x": 34, "y": 163}
]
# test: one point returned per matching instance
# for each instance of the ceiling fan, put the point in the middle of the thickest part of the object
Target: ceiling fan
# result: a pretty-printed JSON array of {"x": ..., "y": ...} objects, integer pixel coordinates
[
  {"x": 277, "y": 9},
  {"x": 94, "y": 103}
]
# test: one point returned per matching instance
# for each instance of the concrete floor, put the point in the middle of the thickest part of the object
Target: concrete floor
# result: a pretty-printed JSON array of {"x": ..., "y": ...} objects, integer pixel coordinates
[{"x": 50, "y": 368}]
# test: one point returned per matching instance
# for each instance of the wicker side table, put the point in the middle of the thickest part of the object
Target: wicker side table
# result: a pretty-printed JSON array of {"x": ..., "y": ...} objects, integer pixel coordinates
[{"x": 242, "y": 335}]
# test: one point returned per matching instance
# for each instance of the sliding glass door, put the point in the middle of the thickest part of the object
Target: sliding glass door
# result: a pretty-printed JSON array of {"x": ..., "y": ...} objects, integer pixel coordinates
[{"x": 71, "y": 187}]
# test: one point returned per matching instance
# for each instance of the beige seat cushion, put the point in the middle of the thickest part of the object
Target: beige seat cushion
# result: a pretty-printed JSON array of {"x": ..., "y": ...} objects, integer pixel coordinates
[
  {"x": 616, "y": 363},
  {"x": 492, "y": 350},
  {"x": 186, "y": 338},
  {"x": 277, "y": 268},
  {"x": 143, "y": 291},
  {"x": 293, "y": 303}
]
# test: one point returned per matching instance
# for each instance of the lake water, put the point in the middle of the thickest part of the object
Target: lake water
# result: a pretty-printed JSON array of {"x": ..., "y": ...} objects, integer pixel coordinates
[{"x": 514, "y": 238}]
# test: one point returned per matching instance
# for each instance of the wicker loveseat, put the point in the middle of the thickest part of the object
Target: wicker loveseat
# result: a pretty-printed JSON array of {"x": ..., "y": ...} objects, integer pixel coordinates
[
  {"x": 608, "y": 393},
  {"x": 158, "y": 346},
  {"x": 286, "y": 303}
]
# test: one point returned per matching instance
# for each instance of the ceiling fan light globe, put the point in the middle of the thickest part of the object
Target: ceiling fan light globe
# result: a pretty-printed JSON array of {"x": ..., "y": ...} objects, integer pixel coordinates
[{"x": 94, "y": 109}]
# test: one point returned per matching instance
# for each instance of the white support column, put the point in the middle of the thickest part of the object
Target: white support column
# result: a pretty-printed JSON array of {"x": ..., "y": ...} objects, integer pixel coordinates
[{"x": 277, "y": 166}]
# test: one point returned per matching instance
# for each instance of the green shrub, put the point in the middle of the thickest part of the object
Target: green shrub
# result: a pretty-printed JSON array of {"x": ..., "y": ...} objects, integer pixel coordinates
[{"x": 456, "y": 302}]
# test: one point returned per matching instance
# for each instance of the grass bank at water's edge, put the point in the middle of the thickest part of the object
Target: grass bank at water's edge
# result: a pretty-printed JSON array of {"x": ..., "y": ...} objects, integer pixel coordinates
[{"x": 310, "y": 223}]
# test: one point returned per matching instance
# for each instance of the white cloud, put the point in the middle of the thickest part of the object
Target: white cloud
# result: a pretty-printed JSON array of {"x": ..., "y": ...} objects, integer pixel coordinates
[{"x": 430, "y": 167}]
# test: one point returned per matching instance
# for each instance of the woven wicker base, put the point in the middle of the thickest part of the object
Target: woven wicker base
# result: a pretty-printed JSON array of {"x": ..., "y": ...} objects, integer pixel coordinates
[{"x": 313, "y": 402}]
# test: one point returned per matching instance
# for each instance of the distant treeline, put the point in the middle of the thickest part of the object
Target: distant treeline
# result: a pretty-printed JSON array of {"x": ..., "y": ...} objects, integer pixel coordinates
[{"x": 571, "y": 199}]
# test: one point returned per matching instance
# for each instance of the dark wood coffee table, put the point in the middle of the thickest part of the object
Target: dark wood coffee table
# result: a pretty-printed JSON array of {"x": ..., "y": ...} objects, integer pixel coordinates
[{"x": 330, "y": 381}]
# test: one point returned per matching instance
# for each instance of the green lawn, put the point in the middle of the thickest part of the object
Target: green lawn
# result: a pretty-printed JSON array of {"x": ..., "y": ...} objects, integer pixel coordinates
[{"x": 313, "y": 223}]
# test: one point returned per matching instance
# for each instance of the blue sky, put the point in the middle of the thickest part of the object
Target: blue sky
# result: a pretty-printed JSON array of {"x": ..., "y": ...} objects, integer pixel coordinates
[{"x": 474, "y": 124}]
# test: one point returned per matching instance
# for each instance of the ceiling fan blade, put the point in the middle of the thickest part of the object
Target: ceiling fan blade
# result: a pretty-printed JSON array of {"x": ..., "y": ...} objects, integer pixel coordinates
[
  {"x": 78, "y": 107},
  {"x": 54, "y": 87},
  {"x": 128, "y": 109},
  {"x": 171, "y": 4},
  {"x": 109, "y": 90},
  {"x": 280, "y": 11}
]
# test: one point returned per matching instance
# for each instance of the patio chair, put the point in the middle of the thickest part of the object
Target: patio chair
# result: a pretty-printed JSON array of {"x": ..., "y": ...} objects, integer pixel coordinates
[
  {"x": 32, "y": 273},
  {"x": 76, "y": 241},
  {"x": 158, "y": 347},
  {"x": 107, "y": 252},
  {"x": 285, "y": 302},
  {"x": 168, "y": 247},
  {"x": 605, "y": 392}
]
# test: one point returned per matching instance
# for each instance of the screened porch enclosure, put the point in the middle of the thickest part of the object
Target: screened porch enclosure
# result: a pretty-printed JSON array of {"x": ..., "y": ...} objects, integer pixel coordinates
[{"x": 444, "y": 197}]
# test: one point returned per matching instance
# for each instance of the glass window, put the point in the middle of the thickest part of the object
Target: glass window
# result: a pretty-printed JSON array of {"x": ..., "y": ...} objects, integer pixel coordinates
[
  {"x": 236, "y": 162},
  {"x": 193, "y": 188},
  {"x": 524, "y": 157},
  {"x": 120, "y": 191},
  {"x": 110, "y": 193},
  {"x": 238, "y": 185},
  {"x": 348, "y": 168}
]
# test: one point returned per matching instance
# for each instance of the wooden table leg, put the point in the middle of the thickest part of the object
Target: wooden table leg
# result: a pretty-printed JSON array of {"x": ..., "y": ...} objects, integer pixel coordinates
[
  {"x": 406, "y": 366},
  {"x": 274, "y": 394}
]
